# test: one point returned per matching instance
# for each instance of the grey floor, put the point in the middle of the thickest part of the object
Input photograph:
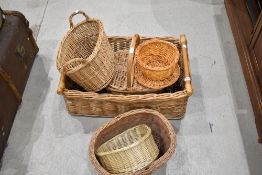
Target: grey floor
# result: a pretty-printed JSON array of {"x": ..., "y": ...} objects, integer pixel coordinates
[{"x": 217, "y": 135}]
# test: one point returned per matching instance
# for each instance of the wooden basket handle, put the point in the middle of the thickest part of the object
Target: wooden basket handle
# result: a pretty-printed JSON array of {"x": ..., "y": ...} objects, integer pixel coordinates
[
  {"x": 61, "y": 85},
  {"x": 187, "y": 74},
  {"x": 76, "y": 13},
  {"x": 131, "y": 61}
]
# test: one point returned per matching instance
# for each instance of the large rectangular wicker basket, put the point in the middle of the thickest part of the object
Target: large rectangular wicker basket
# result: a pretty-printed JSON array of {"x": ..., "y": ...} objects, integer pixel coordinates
[{"x": 172, "y": 102}]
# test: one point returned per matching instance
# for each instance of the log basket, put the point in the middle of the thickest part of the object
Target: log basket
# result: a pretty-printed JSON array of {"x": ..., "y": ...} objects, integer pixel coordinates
[{"x": 172, "y": 102}]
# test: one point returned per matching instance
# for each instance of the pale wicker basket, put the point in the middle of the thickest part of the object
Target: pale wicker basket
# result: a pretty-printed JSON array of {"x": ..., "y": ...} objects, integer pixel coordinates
[
  {"x": 162, "y": 131},
  {"x": 85, "y": 54},
  {"x": 129, "y": 151}
]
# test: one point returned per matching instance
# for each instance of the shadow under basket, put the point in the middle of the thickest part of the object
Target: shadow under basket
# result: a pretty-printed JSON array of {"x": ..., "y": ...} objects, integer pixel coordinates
[
  {"x": 171, "y": 102},
  {"x": 162, "y": 131}
]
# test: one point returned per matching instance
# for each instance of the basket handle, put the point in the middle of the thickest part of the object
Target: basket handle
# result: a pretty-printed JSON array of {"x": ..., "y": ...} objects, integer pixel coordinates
[
  {"x": 76, "y": 13},
  {"x": 131, "y": 61},
  {"x": 72, "y": 64},
  {"x": 61, "y": 85},
  {"x": 187, "y": 74}
]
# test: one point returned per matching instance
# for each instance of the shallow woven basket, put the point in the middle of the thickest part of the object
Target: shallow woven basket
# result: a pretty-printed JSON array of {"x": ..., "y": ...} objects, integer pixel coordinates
[
  {"x": 162, "y": 131},
  {"x": 85, "y": 54},
  {"x": 172, "y": 101},
  {"x": 129, "y": 151},
  {"x": 123, "y": 81},
  {"x": 157, "y": 63}
]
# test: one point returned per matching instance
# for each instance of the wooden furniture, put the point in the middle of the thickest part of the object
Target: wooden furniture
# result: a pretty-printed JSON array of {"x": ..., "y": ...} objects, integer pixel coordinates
[{"x": 246, "y": 22}]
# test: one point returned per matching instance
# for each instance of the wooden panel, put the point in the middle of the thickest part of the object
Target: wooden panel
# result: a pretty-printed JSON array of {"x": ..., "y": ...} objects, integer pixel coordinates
[
  {"x": 253, "y": 9},
  {"x": 243, "y": 18},
  {"x": 238, "y": 17},
  {"x": 257, "y": 50}
]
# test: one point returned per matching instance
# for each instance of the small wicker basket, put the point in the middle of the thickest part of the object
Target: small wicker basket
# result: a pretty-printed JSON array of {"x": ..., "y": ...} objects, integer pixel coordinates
[
  {"x": 157, "y": 63},
  {"x": 123, "y": 81},
  {"x": 161, "y": 130},
  {"x": 129, "y": 151},
  {"x": 85, "y": 54}
]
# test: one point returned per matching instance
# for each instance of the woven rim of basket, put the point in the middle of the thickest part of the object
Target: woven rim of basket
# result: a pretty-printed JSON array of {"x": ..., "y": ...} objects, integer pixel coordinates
[
  {"x": 97, "y": 46},
  {"x": 157, "y": 84},
  {"x": 155, "y": 164},
  {"x": 153, "y": 41},
  {"x": 148, "y": 133}
]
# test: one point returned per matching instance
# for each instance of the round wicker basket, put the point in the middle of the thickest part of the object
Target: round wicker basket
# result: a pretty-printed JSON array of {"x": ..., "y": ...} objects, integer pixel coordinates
[
  {"x": 157, "y": 63},
  {"x": 85, "y": 54},
  {"x": 157, "y": 59},
  {"x": 129, "y": 151},
  {"x": 161, "y": 130}
]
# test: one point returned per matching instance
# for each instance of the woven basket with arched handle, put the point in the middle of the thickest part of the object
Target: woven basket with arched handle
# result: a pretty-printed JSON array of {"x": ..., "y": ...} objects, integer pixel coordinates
[
  {"x": 161, "y": 130},
  {"x": 85, "y": 54},
  {"x": 123, "y": 81}
]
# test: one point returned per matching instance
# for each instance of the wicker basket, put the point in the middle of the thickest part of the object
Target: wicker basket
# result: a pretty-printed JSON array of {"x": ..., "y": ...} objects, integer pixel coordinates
[
  {"x": 85, "y": 54},
  {"x": 162, "y": 131},
  {"x": 129, "y": 151},
  {"x": 123, "y": 81},
  {"x": 172, "y": 103},
  {"x": 157, "y": 63}
]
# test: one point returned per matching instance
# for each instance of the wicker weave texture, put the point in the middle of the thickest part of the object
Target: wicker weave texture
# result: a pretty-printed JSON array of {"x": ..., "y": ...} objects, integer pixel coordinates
[
  {"x": 129, "y": 151},
  {"x": 157, "y": 63},
  {"x": 162, "y": 132},
  {"x": 85, "y": 54},
  {"x": 157, "y": 59},
  {"x": 172, "y": 104},
  {"x": 157, "y": 84},
  {"x": 118, "y": 85}
]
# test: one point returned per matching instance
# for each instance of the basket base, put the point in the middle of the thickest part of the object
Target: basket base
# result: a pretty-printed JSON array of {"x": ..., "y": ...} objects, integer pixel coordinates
[
  {"x": 157, "y": 84},
  {"x": 168, "y": 116}
]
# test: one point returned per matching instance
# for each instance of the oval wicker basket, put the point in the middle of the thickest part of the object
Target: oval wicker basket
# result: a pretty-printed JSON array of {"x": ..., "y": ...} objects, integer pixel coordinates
[
  {"x": 162, "y": 132},
  {"x": 85, "y": 54},
  {"x": 129, "y": 151},
  {"x": 123, "y": 81}
]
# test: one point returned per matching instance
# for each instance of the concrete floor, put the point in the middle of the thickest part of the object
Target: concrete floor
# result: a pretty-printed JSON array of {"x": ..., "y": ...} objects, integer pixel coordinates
[{"x": 217, "y": 135}]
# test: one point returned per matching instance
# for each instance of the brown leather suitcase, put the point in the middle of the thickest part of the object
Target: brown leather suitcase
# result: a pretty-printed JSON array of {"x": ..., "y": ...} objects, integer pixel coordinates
[{"x": 17, "y": 53}]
